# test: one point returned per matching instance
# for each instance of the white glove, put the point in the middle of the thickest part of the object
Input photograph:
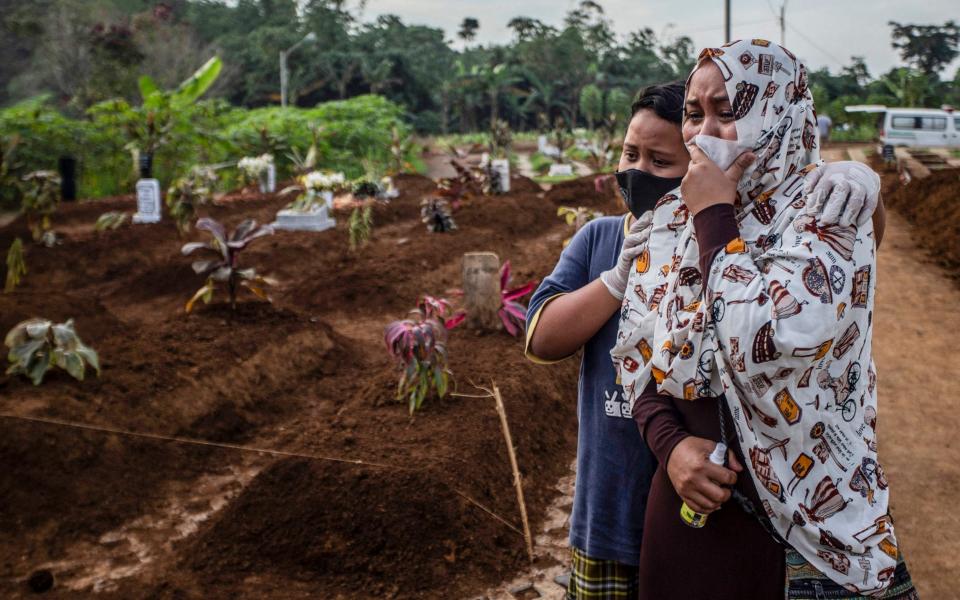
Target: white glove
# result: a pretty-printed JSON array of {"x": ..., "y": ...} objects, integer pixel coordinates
[
  {"x": 842, "y": 193},
  {"x": 633, "y": 245}
]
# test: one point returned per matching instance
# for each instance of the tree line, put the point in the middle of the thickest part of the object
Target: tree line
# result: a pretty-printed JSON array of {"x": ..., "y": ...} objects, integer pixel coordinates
[{"x": 85, "y": 51}]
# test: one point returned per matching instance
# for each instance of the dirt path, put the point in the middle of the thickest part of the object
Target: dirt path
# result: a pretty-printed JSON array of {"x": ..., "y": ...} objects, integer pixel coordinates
[{"x": 916, "y": 354}]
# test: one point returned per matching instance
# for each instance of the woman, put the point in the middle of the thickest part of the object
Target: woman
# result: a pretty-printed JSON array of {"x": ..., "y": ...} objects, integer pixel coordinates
[
  {"x": 577, "y": 306},
  {"x": 752, "y": 323}
]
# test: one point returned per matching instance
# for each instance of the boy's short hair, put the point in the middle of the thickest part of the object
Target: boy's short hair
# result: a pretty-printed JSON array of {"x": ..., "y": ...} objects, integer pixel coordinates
[{"x": 664, "y": 99}]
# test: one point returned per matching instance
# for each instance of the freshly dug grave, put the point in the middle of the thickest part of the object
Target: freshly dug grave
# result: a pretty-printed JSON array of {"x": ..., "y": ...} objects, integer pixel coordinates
[
  {"x": 583, "y": 192},
  {"x": 932, "y": 204},
  {"x": 308, "y": 375}
]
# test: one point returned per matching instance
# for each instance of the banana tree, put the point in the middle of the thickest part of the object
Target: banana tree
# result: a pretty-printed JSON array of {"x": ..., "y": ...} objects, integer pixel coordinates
[{"x": 150, "y": 125}]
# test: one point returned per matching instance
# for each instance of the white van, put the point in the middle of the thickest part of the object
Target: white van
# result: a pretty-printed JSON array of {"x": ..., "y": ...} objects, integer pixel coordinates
[{"x": 915, "y": 127}]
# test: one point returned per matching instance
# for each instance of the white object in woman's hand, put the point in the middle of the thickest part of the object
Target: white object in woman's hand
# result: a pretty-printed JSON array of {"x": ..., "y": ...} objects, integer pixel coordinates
[
  {"x": 705, "y": 184},
  {"x": 842, "y": 193},
  {"x": 633, "y": 245}
]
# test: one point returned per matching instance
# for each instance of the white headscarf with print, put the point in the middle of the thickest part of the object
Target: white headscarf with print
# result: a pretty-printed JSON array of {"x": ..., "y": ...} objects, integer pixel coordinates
[{"x": 781, "y": 324}]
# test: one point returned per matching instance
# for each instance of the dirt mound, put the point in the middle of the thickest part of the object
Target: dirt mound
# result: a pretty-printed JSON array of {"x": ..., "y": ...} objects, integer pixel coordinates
[
  {"x": 932, "y": 204},
  {"x": 521, "y": 184},
  {"x": 583, "y": 192},
  {"x": 366, "y": 532},
  {"x": 307, "y": 374}
]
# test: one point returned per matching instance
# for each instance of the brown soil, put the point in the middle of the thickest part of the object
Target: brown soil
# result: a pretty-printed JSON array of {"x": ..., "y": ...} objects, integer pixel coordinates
[
  {"x": 307, "y": 374},
  {"x": 932, "y": 204},
  {"x": 583, "y": 192}
]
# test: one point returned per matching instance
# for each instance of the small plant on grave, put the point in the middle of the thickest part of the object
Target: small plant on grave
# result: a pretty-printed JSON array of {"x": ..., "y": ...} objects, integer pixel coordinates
[
  {"x": 307, "y": 162},
  {"x": 312, "y": 187},
  {"x": 512, "y": 313},
  {"x": 254, "y": 169},
  {"x": 436, "y": 214},
  {"x": 9, "y": 185},
  {"x": 400, "y": 147},
  {"x": 562, "y": 139},
  {"x": 223, "y": 267},
  {"x": 419, "y": 345},
  {"x": 38, "y": 345},
  {"x": 41, "y": 199},
  {"x": 366, "y": 192},
  {"x": 110, "y": 220},
  {"x": 500, "y": 139},
  {"x": 16, "y": 267},
  {"x": 577, "y": 218},
  {"x": 190, "y": 192}
]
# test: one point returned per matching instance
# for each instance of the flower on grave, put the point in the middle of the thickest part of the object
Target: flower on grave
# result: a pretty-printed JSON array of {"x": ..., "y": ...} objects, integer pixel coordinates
[
  {"x": 318, "y": 181},
  {"x": 255, "y": 167}
]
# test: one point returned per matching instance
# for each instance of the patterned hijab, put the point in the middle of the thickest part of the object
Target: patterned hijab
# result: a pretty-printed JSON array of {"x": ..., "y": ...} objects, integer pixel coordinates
[{"x": 781, "y": 325}]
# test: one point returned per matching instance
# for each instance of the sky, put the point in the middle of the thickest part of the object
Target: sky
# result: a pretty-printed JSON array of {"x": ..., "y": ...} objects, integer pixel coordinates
[{"x": 823, "y": 33}]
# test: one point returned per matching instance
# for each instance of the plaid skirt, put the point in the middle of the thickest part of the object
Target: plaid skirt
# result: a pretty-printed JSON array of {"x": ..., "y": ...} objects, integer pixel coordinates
[
  {"x": 596, "y": 579},
  {"x": 805, "y": 582}
]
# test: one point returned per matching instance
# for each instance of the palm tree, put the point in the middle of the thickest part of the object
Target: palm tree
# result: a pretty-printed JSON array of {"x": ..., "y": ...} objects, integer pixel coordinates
[
  {"x": 468, "y": 29},
  {"x": 544, "y": 97}
]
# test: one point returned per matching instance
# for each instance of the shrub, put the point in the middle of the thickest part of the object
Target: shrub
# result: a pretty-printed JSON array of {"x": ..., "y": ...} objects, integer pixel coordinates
[
  {"x": 435, "y": 212},
  {"x": 37, "y": 345},
  {"x": 110, "y": 220},
  {"x": 224, "y": 267},
  {"x": 512, "y": 313},
  {"x": 41, "y": 197},
  {"x": 419, "y": 344},
  {"x": 188, "y": 193},
  {"x": 16, "y": 267}
]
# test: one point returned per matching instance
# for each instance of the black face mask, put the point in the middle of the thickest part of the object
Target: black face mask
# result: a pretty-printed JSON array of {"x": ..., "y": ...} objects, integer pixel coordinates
[{"x": 641, "y": 190}]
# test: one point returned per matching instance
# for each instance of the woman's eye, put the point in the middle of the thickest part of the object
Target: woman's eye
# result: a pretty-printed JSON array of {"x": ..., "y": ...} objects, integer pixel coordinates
[
  {"x": 727, "y": 114},
  {"x": 694, "y": 116},
  {"x": 660, "y": 163},
  {"x": 630, "y": 156}
]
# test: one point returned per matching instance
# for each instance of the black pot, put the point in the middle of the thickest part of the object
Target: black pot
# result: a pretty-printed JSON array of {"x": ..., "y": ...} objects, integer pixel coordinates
[
  {"x": 146, "y": 165},
  {"x": 67, "y": 165}
]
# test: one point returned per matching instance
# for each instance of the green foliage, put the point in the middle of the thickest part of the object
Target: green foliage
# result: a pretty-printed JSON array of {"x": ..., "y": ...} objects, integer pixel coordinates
[
  {"x": 38, "y": 345},
  {"x": 929, "y": 48},
  {"x": 16, "y": 267},
  {"x": 41, "y": 197},
  {"x": 577, "y": 218},
  {"x": 591, "y": 104},
  {"x": 190, "y": 192},
  {"x": 360, "y": 224},
  {"x": 110, "y": 220},
  {"x": 540, "y": 163}
]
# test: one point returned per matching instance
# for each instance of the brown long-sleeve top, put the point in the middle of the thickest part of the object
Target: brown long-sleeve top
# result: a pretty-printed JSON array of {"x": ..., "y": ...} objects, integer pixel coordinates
[{"x": 733, "y": 556}]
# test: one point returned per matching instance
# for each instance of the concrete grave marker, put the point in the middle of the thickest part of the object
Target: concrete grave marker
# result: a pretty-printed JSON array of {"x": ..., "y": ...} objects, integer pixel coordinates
[
  {"x": 148, "y": 201},
  {"x": 316, "y": 218}
]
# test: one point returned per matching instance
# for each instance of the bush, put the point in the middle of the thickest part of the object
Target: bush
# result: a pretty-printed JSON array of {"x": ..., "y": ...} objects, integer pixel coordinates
[{"x": 207, "y": 132}]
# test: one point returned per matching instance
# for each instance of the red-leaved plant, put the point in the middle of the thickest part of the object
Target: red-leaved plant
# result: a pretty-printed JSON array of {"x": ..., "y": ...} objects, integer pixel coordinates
[
  {"x": 512, "y": 313},
  {"x": 419, "y": 344}
]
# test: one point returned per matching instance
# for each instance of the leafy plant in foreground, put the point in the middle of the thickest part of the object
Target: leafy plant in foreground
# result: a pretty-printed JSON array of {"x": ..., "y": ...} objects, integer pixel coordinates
[
  {"x": 37, "y": 345},
  {"x": 40, "y": 200},
  {"x": 190, "y": 192},
  {"x": 435, "y": 212},
  {"x": 512, "y": 313},
  {"x": 16, "y": 267},
  {"x": 224, "y": 267},
  {"x": 419, "y": 344}
]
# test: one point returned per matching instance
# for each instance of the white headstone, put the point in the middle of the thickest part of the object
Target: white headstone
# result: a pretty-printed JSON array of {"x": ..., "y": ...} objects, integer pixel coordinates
[
  {"x": 268, "y": 182},
  {"x": 316, "y": 218},
  {"x": 559, "y": 170},
  {"x": 502, "y": 167},
  {"x": 148, "y": 201}
]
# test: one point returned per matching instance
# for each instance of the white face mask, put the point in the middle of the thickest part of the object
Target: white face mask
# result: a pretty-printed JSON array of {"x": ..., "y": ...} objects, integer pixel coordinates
[{"x": 721, "y": 152}]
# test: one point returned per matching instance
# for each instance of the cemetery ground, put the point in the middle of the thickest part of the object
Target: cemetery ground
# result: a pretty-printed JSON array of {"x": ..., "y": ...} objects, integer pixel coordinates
[{"x": 359, "y": 499}]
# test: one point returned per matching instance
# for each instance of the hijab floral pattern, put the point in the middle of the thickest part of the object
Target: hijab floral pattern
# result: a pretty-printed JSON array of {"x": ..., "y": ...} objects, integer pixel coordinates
[{"x": 780, "y": 324}]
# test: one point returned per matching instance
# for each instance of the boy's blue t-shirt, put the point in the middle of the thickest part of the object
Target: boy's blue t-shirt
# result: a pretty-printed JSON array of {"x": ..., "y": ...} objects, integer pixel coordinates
[{"x": 614, "y": 465}]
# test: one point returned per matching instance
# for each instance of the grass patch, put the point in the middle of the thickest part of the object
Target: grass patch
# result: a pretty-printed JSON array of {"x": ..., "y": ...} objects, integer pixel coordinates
[{"x": 555, "y": 179}]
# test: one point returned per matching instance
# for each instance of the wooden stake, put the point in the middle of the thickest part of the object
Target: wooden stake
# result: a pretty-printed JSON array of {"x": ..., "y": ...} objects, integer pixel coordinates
[
  {"x": 516, "y": 470},
  {"x": 481, "y": 290}
]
